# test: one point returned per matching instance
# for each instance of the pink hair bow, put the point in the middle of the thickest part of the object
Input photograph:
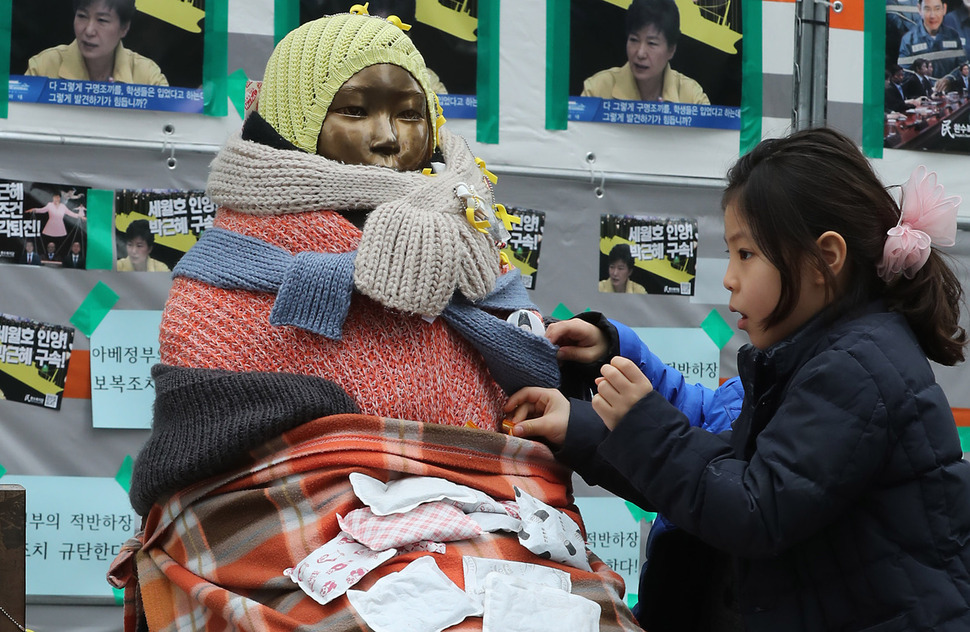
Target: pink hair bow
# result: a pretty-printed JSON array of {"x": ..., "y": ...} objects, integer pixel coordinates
[{"x": 926, "y": 218}]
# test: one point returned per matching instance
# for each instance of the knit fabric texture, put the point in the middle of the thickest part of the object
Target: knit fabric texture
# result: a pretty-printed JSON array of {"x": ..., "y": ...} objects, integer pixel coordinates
[
  {"x": 313, "y": 61},
  {"x": 314, "y": 293},
  {"x": 206, "y": 422},
  {"x": 393, "y": 363},
  {"x": 417, "y": 246}
]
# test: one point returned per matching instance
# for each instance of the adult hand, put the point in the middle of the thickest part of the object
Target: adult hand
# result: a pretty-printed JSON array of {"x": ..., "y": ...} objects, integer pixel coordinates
[
  {"x": 539, "y": 412},
  {"x": 622, "y": 386},
  {"x": 578, "y": 341}
]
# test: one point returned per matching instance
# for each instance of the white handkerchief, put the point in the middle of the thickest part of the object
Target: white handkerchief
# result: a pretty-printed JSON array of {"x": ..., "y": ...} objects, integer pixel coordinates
[
  {"x": 513, "y": 604},
  {"x": 420, "y": 595},
  {"x": 404, "y": 494},
  {"x": 549, "y": 533},
  {"x": 478, "y": 568}
]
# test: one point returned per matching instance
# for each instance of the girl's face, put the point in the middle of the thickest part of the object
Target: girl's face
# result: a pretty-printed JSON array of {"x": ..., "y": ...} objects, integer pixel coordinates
[
  {"x": 138, "y": 251},
  {"x": 755, "y": 286},
  {"x": 98, "y": 30},
  {"x": 378, "y": 117}
]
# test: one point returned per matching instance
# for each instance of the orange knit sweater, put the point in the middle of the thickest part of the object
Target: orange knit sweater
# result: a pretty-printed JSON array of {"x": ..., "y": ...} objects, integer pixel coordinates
[{"x": 392, "y": 364}]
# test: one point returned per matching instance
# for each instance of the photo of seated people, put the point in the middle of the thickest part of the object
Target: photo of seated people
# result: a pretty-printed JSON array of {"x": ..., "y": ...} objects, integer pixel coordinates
[
  {"x": 677, "y": 51},
  {"x": 44, "y": 223},
  {"x": 926, "y": 92},
  {"x": 446, "y": 32},
  {"x": 158, "y": 43}
]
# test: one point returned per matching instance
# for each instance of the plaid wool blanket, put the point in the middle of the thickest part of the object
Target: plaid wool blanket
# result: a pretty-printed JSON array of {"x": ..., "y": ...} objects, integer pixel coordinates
[{"x": 211, "y": 556}]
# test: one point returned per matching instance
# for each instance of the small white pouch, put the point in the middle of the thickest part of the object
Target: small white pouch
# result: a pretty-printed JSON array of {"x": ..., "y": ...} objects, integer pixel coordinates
[
  {"x": 419, "y": 598},
  {"x": 478, "y": 568},
  {"x": 514, "y": 604},
  {"x": 404, "y": 494},
  {"x": 331, "y": 569},
  {"x": 549, "y": 533}
]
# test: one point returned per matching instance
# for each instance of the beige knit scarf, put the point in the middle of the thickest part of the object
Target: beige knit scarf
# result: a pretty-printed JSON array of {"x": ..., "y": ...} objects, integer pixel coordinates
[{"x": 417, "y": 247}]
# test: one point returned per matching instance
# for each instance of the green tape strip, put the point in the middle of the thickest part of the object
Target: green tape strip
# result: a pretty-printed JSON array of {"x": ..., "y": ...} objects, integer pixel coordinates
[
  {"x": 6, "y": 19},
  {"x": 488, "y": 61},
  {"x": 964, "y": 437},
  {"x": 119, "y": 596},
  {"x": 3, "y": 471},
  {"x": 557, "y": 63},
  {"x": 874, "y": 93},
  {"x": 100, "y": 211},
  {"x": 639, "y": 514},
  {"x": 717, "y": 328},
  {"x": 94, "y": 308},
  {"x": 237, "y": 91},
  {"x": 561, "y": 313},
  {"x": 124, "y": 473},
  {"x": 286, "y": 17},
  {"x": 752, "y": 70},
  {"x": 631, "y": 600},
  {"x": 215, "y": 58}
]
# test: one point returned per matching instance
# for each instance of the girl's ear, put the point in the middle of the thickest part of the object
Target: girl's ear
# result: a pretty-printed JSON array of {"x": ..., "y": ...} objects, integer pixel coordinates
[{"x": 833, "y": 249}]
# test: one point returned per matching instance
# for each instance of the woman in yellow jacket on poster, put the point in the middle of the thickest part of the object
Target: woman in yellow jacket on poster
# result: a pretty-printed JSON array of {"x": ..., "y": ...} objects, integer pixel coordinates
[{"x": 97, "y": 54}]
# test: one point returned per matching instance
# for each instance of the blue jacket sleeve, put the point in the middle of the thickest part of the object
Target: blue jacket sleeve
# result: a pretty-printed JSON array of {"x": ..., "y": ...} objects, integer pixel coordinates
[{"x": 712, "y": 410}]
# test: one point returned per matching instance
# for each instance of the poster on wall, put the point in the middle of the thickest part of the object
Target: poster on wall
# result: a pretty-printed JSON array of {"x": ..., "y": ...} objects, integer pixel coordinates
[
  {"x": 446, "y": 33},
  {"x": 927, "y": 98},
  {"x": 129, "y": 54},
  {"x": 674, "y": 63},
  {"x": 75, "y": 526},
  {"x": 124, "y": 348},
  {"x": 33, "y": 360},
  {"x": 523, "y": 244},
  {"x": 43, "y": 224},
  {"x": 154, "y": 228},
  {"x": 647, "y": 255}
]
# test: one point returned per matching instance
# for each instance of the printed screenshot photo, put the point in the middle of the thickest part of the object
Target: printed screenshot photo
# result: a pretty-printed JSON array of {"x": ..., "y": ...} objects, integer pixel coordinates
[
  {"x": 655, "y": 62},
  {"x": 144, "y": 55}
]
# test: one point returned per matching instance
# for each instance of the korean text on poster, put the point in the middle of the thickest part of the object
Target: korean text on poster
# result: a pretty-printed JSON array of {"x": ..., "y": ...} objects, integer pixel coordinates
[
  {"x": 33, "y": 361},
  {"x": 524, "y": 242},
  {"x": 43, "y": 224},
  {"x": 169, "y": 222},
  {"x": 661, "y": 254},
  {"x": 75, "y": 527},
  {"x": 123, "y": 349},
  {"x": 613, "y": 534},
  {"x": 688, "y": 349}
]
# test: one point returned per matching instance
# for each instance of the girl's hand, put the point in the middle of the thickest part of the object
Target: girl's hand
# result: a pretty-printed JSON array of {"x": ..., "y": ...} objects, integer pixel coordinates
[
  {"x": 622, "y": 386},
  {"x": 539, "y": 412},
  {"x": 578, "y": 340}
]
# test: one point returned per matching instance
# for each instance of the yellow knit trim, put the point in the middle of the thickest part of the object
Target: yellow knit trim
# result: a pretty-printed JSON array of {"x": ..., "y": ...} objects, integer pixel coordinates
[{"x": 313, "y": 61}]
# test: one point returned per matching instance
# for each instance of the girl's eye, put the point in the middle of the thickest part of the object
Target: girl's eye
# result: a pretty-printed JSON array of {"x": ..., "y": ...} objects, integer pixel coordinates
[
  {"x": 745, "y": 254},
  {"x": 352, "y": 110},
  {"x": 411, "y": 115}
]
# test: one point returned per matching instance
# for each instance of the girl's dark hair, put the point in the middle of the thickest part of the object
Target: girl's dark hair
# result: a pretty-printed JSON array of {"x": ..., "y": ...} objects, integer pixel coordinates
[
  {"x": 662, "y": 14},
  {"x": 791, "y": 190},
  {"x": 124, "y": 8}
]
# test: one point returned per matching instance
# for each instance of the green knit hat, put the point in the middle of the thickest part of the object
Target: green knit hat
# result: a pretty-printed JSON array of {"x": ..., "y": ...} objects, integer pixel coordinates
[{"x": 313, "y": 61}]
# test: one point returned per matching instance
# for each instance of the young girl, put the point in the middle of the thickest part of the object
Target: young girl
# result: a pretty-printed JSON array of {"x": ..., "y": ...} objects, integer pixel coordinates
[{"x": 841, "y": 492}]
